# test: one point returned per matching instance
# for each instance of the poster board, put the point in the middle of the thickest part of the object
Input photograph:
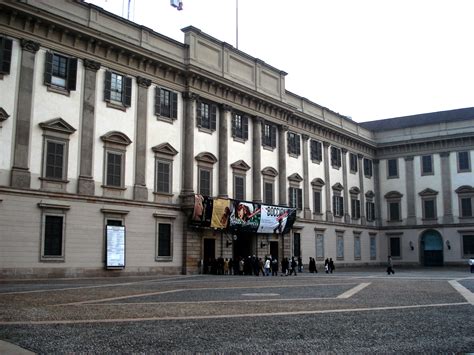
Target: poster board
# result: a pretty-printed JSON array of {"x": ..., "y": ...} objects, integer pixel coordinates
[{"x": 115, "y": 242}]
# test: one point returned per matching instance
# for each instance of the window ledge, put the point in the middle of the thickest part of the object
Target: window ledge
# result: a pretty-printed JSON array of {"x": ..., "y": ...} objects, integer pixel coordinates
[
  {"x": 163, "y": 193},
  {"x": 335, "y": 167},
  {"x": 59, "y": 181},
  {"x": 464, "y": 171},
  {"x": 239, "y": 139},
  {"x": 116, "y": 105},
  {"x": 316, "y": 161},
  {"x": 58, "y": 90},
  {"x": 293, "y": 155},
  {"x": 165, "y": 119},
  {"x": 427, "y": 174},
  {"x": 51, "y": 259},
  {"x": 113, "y": 187},
  {"x": 205, "y": 130},
  {"x": 268, "y": 147},
  {"x": 164, "y": 258},
  {"x": 368, "y": 176},
  {"x": 466, "y": 218},
  {"x": 392, "y": 177}
]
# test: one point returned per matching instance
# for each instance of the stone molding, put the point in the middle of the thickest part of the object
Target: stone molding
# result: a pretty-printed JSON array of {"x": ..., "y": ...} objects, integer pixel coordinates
[
  {"x": 143, "y": 82},
  {"x": 30, "y": 46},
  {"x": 91, "y": 64}
]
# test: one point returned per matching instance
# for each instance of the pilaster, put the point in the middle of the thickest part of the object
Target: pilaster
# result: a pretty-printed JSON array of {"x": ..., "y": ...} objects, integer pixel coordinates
[
  {"x": 223, "y": 163},
  {"x": 327, "y": 180},
  {"x": 410, "y": 184},
  {"x": 282, "y": 165},
  {"x": 188, "y": 140},
  {"x": 306, "y": 208},
  {"x": 446, "y": 187},
  {"x": 363, "y": 219},
  {"x": 257, "y": 159},
  {"x": 347, "y": 216},
  {"x": 378, "y": 198}
]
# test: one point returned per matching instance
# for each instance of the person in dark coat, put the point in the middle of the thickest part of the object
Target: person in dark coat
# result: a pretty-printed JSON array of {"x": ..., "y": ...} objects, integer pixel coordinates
[
  {"x": 390, "y": 266},
  {"x": 331, "y": 265},
  {"x": 293, "y": 266},
  {"x": 312, "y": 265},
  {"x": 275, "y": 267},
  {"x": 300, "y": 264},
  {"x": 326, "y": 265}
]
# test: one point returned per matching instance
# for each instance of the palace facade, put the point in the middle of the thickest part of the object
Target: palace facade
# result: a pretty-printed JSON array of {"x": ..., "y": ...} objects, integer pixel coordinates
[{"x": 106, "y": 123}]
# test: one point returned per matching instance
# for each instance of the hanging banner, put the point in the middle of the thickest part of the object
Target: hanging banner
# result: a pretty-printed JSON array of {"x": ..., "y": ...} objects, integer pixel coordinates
[
  {"x": 276, "y": 219},
  {"x": 244, "y": 216},
  {"x": 220, "y": 213},
  {"x": 202, "y": 212}
]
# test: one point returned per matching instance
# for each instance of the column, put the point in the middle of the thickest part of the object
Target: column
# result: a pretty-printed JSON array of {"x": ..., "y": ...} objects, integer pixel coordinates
[
  {"x": 378, "y": 198},
  {"x": 21, "y": 176},
  {"x": 306, "y": 208},
  {"x": 140, "y": 191},
  {"x": 347, "y": 216},
  {"x": 327, "y": 181},
  {"x": 224, "y": 118},
  {"x": 410, "y": 184},
  {"x": 257, "y": 159},
  {"x": 188, "y": 140},
  {"x": 86, "y": 184},
  {"x": 282, "y": 165},
  {"x": 363, "y": 219},
  {"x": 446, "y": 186}
]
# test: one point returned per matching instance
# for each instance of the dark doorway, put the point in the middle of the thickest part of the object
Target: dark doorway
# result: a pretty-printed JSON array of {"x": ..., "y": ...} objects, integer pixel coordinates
[
  {"x": 432, "y": 248},
  {"x": 274, "y": 249},
  {"x": 209, "y": 254},
  {"x": 243, "y": 246}
]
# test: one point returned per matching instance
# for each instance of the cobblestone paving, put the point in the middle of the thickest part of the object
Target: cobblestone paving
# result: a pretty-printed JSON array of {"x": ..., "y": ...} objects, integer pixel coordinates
[{"x": 363, "y": 311}]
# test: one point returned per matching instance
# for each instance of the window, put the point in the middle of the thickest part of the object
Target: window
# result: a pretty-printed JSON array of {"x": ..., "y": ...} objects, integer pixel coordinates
[
  {"x": 60, "y": 71},
  {"x": 355, "y": 208},
  {"x": 357, "y": 251},
  {"x": 367, "y": 168},
  {"x": 206, "y": 115},
  {"x": 353, "y": 162},
  {"x": 295, "y": 197},
  {"x": 205, "y": 182},
  {"x": 317, "y": 185},
  {"x": 114, "y": 169},
  {"x": 338, "y": 206},
  {"x": 316, "y": 151},
  {"x": 163, "y": 176},
  {"x": 393, "y": 205},
  {"x": 339, "y": 245},
  {"x": 240, "y": 126},
  {"x": 118, "y": 89},
  {"x": 294, "y": 144},
  {"x": 464, "y": 164},
  {"x": 427, "y": 165},
  {"x": 268, "y": 193},
  {"x": 468, "y": 245},
  {"x": 5, "y": 55},
  {"x": 392, "y": 168},
  {"x": 166, "y": 103},
  {"x": 319, "y": 245},
  {"x": 373, "y": 247},
  {"x": 239, "y": 187},
  {"x": 269, "y": 133},
  {"x": 164, "y": 154},
  {"x": 370, "y": 211},
  {"x": 429, "y": 208},
  {"x": 466, "y": 207},
  {"x": 395, "y": 250},
  {"x": 115, "y": 150},
  {"x": 466, "y": 201},
  {"x": 296, "y": 244},
  {"x": 53, "y": 231},
  {"x": 55, "y": 158},
  {"x": 317, "y": 202},
  {"x": 335, "y": 157},
  {"x": 164, "y": 240}
]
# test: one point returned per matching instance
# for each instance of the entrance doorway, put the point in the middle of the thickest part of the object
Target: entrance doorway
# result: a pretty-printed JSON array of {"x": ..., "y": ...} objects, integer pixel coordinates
[
  {"x": 274, "y": 250},
  {"x": 431, "y": 247},
  {"x": 244, "y": 245},
  {"x": 209, "y": 254}
]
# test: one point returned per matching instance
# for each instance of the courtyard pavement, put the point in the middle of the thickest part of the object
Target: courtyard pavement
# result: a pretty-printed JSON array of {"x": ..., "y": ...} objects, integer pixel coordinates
[{"x": 415, "y": 310}]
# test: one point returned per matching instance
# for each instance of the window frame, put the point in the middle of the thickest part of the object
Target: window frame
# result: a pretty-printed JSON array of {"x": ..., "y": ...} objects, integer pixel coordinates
[
  {"x": 166, "y": 104},
  {"x": 161, "y": 219},
  {"x": 357, "y": 246},
  {"x": 237, "y": 176},
  {"x": 125, "y": 90},
  {"x": 316, "y": 151},
  {"x": 269, "y": 136},
  {"x": 294, "y": 144},
  {"x": 368, "y": 168},
  {"x": 169, "y": 163},
  {"x": 336, "y": 157},
  {"x": 114, "y": 143},
  {"x": 394, "y": 197},
  {"x": 465, "y": 192},
  {"x": 353, "y": 163},
  {"x": 373, "y": 246},
  {"x": 468, "y": 157},
  {"x": 58, "y": 141},
  {"x": 202, "y": 169},
  {"x": 319, "y": 244},
  {"x": 339, "y": 245},
  {"x": 206, "y": 116},
  {"x": 54, "y": 210},
  {"x": 422, "y": 165},
  {"x": 265, "y": 195},
  {"x": 69, "y": 76},
  {"x": 6, "y": 52},
  {"x": 390, "y": 251},
  {"x": 240, "y": 126},
  {"x": 465, "y": 234},
  {"x": 392, "y": 174},
  {"x": 295, "y": 197}
]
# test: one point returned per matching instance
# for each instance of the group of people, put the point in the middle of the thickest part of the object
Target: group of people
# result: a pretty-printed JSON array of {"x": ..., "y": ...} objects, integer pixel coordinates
[
  {"x": 266, "y": 266},
  {"x": 329, "y": 266}
]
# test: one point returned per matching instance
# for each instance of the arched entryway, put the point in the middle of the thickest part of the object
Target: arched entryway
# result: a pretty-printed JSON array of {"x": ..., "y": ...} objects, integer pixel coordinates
[{"x": 431, "y": 248}]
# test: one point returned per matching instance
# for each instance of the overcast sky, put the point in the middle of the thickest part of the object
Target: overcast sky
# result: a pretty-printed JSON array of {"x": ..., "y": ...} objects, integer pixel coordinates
[{"x": 367, "y": 59}]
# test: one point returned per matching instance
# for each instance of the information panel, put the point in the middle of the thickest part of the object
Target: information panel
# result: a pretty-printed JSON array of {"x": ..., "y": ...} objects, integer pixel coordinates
[{"x": 115, "y": 247}]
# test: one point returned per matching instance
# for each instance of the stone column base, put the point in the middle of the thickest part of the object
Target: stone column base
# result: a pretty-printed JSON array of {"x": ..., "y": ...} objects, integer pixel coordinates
[
  {"x": 307, "y": 213},
  {"x": 21, "y": 178},
  {"x": 329, "y": 216},
  {"x": 140, "y": 193},
  {"x": 448, "y": 219},
  {"x": 347, "y": 218},
  {"x": 85, "y": 186}
]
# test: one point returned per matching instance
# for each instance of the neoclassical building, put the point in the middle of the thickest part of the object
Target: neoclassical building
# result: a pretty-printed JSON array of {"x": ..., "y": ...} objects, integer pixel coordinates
[{"x": 108, "y": 130}]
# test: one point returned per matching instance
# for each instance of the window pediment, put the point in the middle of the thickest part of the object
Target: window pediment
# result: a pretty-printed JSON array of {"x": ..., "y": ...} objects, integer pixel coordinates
[
  {"x": 354, "y": 190},
  {"x": 206, "y": 157},
  {"x": 116, "y": 137},
  {"x": 428, "y": 192},
  {"x": 337, "y": 187},
  {"x": 393, "y": 194},
  {"x": 295, "y": 177},
  {"x": 164, "y": 149},
  {"x": 269, "y": 171},
  {"x": 318, "y": 182},
  {"x": 465, "y": 189},
  {"x": 240, "y": 165},
  {"x": 3, "y": 114},
  {"x": 58, "y": 125}
]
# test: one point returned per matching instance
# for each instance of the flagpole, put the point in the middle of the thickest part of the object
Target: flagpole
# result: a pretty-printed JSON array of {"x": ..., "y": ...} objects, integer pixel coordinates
[{"x": 237, "y": 24}]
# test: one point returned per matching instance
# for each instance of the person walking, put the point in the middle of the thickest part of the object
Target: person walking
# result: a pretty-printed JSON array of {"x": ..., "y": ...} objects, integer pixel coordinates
[
  {"x": 275, "y": 267},
  {"x": 293, "y": 266},
  {"x": 331, "y": 266},
  {"x": 390, "y": 266},
  {"x": 471, "y": 264},
  {"x": 266, "y": 267},
  {"x": 326, "y": 265}
]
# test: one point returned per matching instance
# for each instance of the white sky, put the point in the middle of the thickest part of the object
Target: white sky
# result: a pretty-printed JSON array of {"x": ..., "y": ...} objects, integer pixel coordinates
[{"x": 367, "y": 59}]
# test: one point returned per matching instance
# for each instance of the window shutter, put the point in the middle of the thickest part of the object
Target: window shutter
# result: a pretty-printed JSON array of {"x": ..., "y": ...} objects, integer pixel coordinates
[
  {"x": 353, "y": 208},
  {"x": 233, "y": 126},
  {"x": 245, "y": 126},
  {"x": 71, "y": 74},
  {"x": 290, "y": 200},
  {"x": 317, "y": 202},
  {"x": 157, "y": 101},
  {"x": 319, "y": 151},
  {"x": 298, "y": 144},
  {"x": 341, "y": 203},
  {"x": 198, "y": 114},
  {"x": 107, "y": 85},
  {"x": 273, "y": 136},
  {"x": 213, "y": 117},
  {"x": 48, "y": 68},
  {"x": 5, "y": 55},
  {"x": 288, "y": 142},
  {"x": 127, "y": 90},
  {"x": 358, "y": 208},
  {"x": 174, "y": 105},
  {"x": 300, "y": 198},
  {"x": 313, "y": 150},
  {"x": 334, "y": 205},
  {"x": 262, "y": 134}
]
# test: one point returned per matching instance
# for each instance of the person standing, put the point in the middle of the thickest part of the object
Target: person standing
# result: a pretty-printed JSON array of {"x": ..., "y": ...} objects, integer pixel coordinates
[
  {"x": 331, "y": 265},
  {"x": 275, "y": 266},
  {"x": 266, "y": 267},
  {"x": 471, "y": 263},
  {"x": 326, "y": 265},
  {"x": 390, "y": 266},
  {"x": 293, "y": 266}
]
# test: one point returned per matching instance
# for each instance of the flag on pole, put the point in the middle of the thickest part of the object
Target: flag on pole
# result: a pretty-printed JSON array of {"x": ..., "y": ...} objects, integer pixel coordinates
[{"x": 178, "y": 4}]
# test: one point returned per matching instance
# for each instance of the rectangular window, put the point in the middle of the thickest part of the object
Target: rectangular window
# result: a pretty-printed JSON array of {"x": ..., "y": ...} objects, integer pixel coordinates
[
  {"x": 164, "y": 239},
  {"x": 395, "y": 250},
  {"x": 468, "y": 245},
  {"x": 294, "y": 143},
  {"x": 114, "y": 169},
  {"x": 429, "y": 209},
  {"x": 335, "y": 157},
  {"x": 464, "y": 163},
  {"x": 60, "y": 71},
  {"x": 5, "y": 55},
  {"x": 353, "y": 163},
  {"x": 240, "y": 126},
  {"x": 295, "y": 198},
  {"x": 357, "y": 251},
  {"x": 268, "y": 194},
  {"x": 392, "y": 168},
  {"x": 373, "y": 248},
  {"x": 370, "y": 211},
  {"x": 53, "y": 236},
  {"x": 466, "y": 207},
  {"x": 367, "y": 168},
  {"x": 206, "y": 115},
  {"x": 55, "y": 154},
  {"x": 317, "y": 202},
  {"x": 205, "y": 182},
  {"x": 355, "y": 208},
  {"x": 316, "y": 151},
  {"x": 269, "y": 133},
  {"x": 166, "y": 103},
  {"x": 426, "y": 165},
  {"x": 340, "y": 247},
  {"x": 319, "y": 246},
  {"x": 338, "y": 206},
  {"x": 394, "y": 211},
  {"x": 118, "y": 89},
  {"x": 296, "y": 244},
  {"x": 163, "y": 176},
  {"x": 239, "y": 187}
]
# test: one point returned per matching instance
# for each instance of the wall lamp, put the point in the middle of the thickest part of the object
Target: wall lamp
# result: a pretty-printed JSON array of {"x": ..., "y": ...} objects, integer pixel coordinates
[
  {"x": 411, "y": 245},
  {"x": 448, "y": 244},
  {"x": 262, "y": 245}
]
